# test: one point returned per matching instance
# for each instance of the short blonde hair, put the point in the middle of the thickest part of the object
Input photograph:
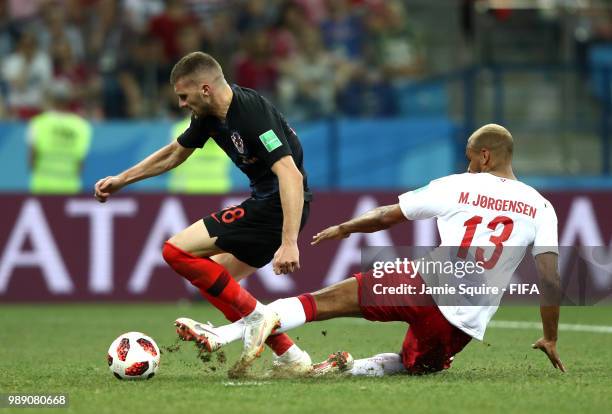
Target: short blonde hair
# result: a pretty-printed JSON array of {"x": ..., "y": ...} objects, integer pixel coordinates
[{"x": 493, "y": 137}]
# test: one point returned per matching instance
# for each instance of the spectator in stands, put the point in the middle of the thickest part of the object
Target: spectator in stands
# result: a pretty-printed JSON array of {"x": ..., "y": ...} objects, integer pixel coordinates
[
  {"x": 144, "y": 78},
  {"x": 391, "y": 43},
  {"x": 368, "y": 93},
  {"x": 310, "y": 79},
  {"x": 189, "y": 39},
  {"x": 389, "y": 57},
  {"x": 80, "y": 14},
  {"x": 7, "y": 31},
  {"x": 343, "y": 30},
  {"x": 255, "y": 15},
  {"x": 54, "y": 28},
  {"x": 592, "y": 29},
  {"x": 23, "y": 10},
  {"x": 204, "y": 10},
  {"x": 289, "y": 27},
  {"x": 166, "y": 26},
  {"x": 108, "y": 50},
  {"x": 59, "y": 142},
  {"x": 7, "y": 36},
  {"x": 108, "y": 35},
  {"x": 140, "y": 12},
  {"x": 27, "y": 73},
  {"x": 315, "y": 10},
  {"x": 83, "y": 85},
  {"x": 255, "y": 67},
  {"x": 257, "y": 40},
  {"x": 221, "y": 39}
]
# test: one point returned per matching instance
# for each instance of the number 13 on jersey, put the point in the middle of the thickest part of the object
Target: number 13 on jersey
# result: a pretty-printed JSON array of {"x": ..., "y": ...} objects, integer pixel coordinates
[{"x": 470, "y": 229}]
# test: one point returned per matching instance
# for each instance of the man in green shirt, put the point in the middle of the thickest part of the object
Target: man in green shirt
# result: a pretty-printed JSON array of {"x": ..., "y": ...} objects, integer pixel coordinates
[
  {"x": 59, "y": 142},
  {"x": 210, "y": 162}
]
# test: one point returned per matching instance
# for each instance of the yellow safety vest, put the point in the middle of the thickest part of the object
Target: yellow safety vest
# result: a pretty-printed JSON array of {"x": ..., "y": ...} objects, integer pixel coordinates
[
  {"x": 60, "y": 142},
  {"x": 207, "y": 170}
]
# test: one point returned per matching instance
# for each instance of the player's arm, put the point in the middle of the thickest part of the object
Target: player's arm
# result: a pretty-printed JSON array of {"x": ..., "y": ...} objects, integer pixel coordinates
[
  {"x": 291, "y": 189},
  {"x": 157, "y": 163},
  {"x": 272, "y": 147},
  {"x": 547, "y": 265},
  {"x": 426, "y": 202},
  {"x": 374, "y": 220}
]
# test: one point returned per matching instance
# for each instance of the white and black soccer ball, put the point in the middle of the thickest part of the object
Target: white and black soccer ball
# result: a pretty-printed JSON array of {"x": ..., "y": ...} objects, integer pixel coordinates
[{"x": 133, "y": 355}]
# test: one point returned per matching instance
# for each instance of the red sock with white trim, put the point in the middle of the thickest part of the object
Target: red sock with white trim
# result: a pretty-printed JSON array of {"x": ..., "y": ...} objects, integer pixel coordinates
[{"x": 309, "y": 305}]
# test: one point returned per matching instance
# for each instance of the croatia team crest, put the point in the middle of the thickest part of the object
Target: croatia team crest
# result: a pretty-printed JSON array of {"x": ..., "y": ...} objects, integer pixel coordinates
[{"x": 238, "y": 143}]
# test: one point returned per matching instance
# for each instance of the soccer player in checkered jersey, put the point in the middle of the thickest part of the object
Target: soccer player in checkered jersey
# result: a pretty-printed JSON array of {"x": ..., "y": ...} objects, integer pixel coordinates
[
  {"x": 216, "y": 252},
  {"x": 487, "y": 206}
]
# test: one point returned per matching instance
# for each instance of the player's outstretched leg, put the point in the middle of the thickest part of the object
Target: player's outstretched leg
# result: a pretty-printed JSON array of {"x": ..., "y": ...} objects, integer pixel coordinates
[
  {"x": 207, "y": 275},
  {"x": 293, "y": 362},
  {"x": 336, "y": 363},
  {"x": 188, "y": 329},
  {"x": 335, "y": 301},
  {"x": 375, "y": 366},
  {"x": 204, "y": 335},
  {"x": 378, "y": 365},
  {"x": 289, "y": 359},
  {"x": 257, "y": 327}
]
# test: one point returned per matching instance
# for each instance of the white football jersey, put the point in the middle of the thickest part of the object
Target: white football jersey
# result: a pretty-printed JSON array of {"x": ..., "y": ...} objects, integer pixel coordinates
[{"x": 483, "y": 210}]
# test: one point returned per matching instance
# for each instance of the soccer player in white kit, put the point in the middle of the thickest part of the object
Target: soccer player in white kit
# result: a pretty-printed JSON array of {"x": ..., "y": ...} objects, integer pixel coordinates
[{"x": 482, "y": 212}]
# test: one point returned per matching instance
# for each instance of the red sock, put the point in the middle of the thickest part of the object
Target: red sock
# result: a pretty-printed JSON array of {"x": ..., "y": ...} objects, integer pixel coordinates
[
  {"x": 211, "y": 277},
  {"x": 309, "y": 305},
  {"x": 229, "y": 312},
  {"x": 279, "y": 343}
]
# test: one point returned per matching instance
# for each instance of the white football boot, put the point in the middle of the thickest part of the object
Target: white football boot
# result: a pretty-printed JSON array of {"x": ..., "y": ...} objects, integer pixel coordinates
[
  {"x": 203, "y": 335},
  {"x": 294, "y": 362},
  {"x": 336, "y": 363},
  {"x": 258, "y": 325}
]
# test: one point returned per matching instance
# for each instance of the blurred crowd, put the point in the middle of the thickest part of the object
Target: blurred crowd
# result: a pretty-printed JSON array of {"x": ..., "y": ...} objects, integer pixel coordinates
[{"x": 111, "y": 59}]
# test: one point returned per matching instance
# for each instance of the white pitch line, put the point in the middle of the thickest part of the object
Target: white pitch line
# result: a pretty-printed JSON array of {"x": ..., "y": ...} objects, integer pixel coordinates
[
  {"x": 245, "y": 383},
  {"x": 562, "y": 326}
]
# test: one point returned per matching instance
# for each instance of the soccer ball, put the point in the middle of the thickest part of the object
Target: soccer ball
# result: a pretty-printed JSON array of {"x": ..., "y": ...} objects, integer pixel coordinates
[{"x": 133, "y": 355}]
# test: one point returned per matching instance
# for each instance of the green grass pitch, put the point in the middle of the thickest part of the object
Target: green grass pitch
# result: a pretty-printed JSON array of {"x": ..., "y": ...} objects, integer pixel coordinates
[{"x": 62, "y": 349}]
